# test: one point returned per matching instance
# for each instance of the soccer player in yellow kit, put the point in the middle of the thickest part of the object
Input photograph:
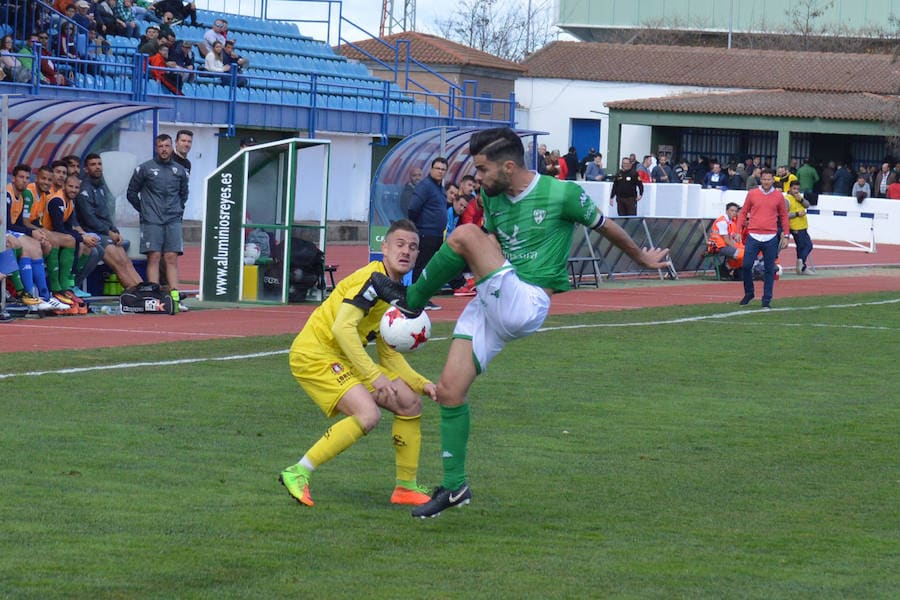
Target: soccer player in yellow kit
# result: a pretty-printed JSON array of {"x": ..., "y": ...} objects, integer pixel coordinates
[{"x": 329, "y": 361}]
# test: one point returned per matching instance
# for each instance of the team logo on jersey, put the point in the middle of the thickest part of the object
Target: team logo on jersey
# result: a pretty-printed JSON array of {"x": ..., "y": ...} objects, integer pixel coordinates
[
  {"x": 154, "y": 172},
  {"x": 174, "y": 170},
  {"x": 539, "y": 215},
  {"x": 336, "y": 368},
  {"x": 512, "y": 241}
]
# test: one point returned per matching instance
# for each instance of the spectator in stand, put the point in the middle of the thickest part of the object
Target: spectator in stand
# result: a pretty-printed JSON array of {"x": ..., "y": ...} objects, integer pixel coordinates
[
  {"x": 149, "y": 43},
  {"x": 13, "y": 68},
  {"x": 83, "y": 16},
  {"x": 583, "y": 165},
  {"x": 215, "y": 62},
  {"x": 861, "y": 189},
  {"x": 643, "y": 169},
  {"x": 595, "y": 170},
  {"x": 50, "y": 72},
  {"x": 698, "y": 170},
  {"x": 792, "y": 168},
  {"x": 681, "y": 172},
  {"x": 217, "y": 33},
  {"x": 571, "y": 160},
  {"x": 168, "y": 79},
  {"x": 232, "y": 57},
  {"x": 428, "y": 210},
  {"x": 104, "y": 18},
  {"x": 179, "y": 9},
  {"x": 183, "y": 55},
  {"x": 627, "y": 189},
  {"x": 753, "y": 180},
  {"x": 784, "y": 178},
  {"x": 883, "y": 179},
  {"x": 126, "y": 19},
  {"x": 65, "y": 41},
  {"x": 662, "y": 172},
  {"x": 826, "y": 183},
  {"x": 808, "y": 178},
  {"x": 716, "y": 179},
  {"x": 799, "y": 224},
  {"x": 843, "y": 181},
  {"x": 767, "y": 212},
  {"x": 735, "y": 181},
  {"x": 235, "y": 61},
  {"x": 165, "y": 28}
]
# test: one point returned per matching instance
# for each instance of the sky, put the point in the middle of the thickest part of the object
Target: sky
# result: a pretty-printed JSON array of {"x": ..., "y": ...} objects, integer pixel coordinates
[{"x": 364, "y": 13}]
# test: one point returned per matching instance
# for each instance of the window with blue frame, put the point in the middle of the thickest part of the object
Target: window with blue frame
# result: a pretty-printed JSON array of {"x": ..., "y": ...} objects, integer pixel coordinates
[{"x": 485, "y": 106}]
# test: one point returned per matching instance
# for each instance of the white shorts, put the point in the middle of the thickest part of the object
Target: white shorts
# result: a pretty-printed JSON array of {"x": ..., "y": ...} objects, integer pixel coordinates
[{"x": 506, "y": 308}]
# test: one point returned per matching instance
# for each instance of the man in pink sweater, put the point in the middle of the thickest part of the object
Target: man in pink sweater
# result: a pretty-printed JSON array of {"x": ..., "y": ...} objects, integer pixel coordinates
[{"x": 764, "y": 208}]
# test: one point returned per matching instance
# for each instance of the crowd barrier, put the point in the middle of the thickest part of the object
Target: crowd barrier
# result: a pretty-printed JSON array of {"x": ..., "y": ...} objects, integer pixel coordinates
[{"x": 835, "y": 218}]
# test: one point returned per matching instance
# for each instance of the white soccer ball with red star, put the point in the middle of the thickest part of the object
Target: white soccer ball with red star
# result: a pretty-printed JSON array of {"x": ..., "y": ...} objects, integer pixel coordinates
[{"x": 402, "y": 333}]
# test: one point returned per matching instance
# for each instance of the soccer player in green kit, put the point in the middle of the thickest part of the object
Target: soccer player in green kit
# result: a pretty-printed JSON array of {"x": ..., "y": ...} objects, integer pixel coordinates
[{"x": 518, "y": 264}]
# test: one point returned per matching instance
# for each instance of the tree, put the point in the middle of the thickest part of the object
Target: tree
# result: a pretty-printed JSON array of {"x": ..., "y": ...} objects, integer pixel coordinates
[
  {"x": 804, "y": 15},
  {"x": 504, "y": 28}
]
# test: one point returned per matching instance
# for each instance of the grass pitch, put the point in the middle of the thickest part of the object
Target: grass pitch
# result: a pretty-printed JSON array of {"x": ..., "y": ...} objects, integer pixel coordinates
[{"x": 685, "y": 452}]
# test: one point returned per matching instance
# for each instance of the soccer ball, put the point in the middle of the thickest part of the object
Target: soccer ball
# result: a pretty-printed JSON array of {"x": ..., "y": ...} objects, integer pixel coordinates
[
  {"x": 251, "y": 253},
  {"x": 402, "y": 333}
]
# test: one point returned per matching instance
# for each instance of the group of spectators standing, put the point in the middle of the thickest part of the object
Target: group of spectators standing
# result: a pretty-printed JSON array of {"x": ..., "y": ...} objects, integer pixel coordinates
[
  {"x": 834, "y": 178},
  {"x": 437, "y": 206},
  {"x": 60, "y": 226}
]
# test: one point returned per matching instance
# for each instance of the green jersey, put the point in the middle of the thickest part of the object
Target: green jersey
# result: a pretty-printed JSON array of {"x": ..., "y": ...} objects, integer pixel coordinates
[{"x": 535, "y": 228}]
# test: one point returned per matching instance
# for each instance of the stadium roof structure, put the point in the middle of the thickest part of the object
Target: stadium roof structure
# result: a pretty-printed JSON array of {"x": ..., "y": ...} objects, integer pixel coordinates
[
  {"x": 44, "y": 129},
  {"x": 773, "y": 103},
  {"x": 716, "y": 67},
  {"x": 428, "y": 49}
]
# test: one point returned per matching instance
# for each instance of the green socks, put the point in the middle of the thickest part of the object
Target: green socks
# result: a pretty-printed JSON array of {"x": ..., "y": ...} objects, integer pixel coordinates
[
  {"x": 66, "y": 260},
  {"x": 443, "y": 266},
  {"x": 52, "y": 262},
  {"x": 454, "y": 439}
]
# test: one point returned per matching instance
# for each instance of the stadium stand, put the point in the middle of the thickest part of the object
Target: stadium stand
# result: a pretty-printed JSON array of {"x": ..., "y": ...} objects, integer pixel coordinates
[{"x": 287, "y": 69}]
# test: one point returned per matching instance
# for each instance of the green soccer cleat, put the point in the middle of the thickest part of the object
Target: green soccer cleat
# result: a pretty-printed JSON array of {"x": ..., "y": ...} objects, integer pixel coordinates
[{"x": 296, "y": 480}]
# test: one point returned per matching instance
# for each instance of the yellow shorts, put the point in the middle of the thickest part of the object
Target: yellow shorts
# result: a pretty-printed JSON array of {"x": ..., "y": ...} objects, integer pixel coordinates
[{"x": 326, "y": 377}]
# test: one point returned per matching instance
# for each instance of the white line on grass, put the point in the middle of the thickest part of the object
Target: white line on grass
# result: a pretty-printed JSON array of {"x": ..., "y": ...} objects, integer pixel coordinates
[{"x": 716, "y": 316}]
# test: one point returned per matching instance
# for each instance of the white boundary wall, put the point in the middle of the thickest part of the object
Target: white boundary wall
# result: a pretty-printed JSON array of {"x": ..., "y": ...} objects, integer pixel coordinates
[{"x": 691, "y": 201}]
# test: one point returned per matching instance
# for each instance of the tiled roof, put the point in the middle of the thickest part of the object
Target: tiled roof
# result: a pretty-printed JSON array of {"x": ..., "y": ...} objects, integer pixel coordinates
[
  {"x": 774, "y": 103},
  {"x": 430, "y": 50},
  {"x": 716, "y": 67}
]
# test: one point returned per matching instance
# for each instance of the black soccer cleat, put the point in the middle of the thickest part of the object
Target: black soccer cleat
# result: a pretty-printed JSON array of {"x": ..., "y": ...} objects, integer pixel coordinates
[
  {"x": 392, "y": 292},
  {"x": 442, "y": 499}
]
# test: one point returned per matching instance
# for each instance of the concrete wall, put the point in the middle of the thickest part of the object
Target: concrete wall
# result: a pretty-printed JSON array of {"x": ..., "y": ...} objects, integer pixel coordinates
[
  {"x": 676, "y": 200},
  {"x": 550, "y": 104}
]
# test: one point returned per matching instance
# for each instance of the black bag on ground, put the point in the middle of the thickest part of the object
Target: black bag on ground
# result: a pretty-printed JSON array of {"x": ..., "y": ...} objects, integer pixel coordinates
[
  {"x": 307, "y": 269},
  {"x": 146, "y": 297}
]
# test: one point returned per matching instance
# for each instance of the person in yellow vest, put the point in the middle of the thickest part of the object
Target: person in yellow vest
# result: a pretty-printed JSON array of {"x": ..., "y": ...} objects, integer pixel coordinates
[
  {"x": 784, "y": 178},
  {"x": 797, "y": 205},
  {"x": 725, "y": 239},
  {"x": 61, "y": 260}
]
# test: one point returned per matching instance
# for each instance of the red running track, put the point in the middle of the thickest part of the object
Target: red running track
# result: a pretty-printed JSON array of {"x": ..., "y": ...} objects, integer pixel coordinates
[{"x": 840, "y": 272}]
